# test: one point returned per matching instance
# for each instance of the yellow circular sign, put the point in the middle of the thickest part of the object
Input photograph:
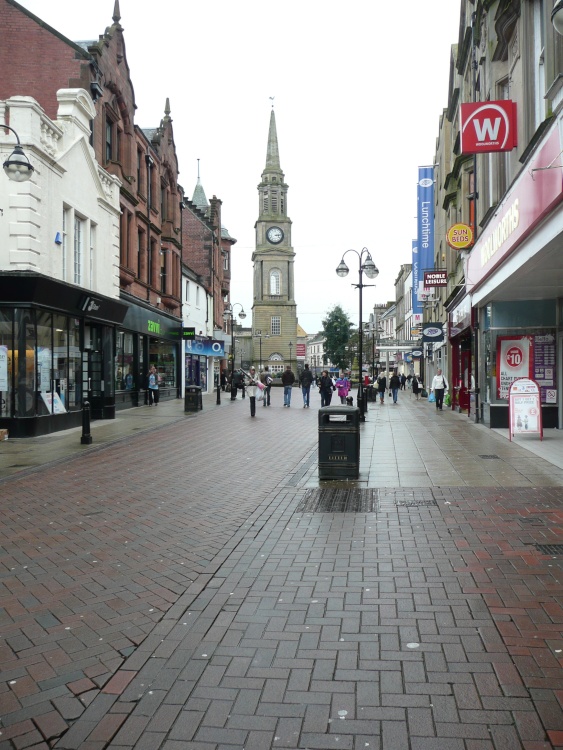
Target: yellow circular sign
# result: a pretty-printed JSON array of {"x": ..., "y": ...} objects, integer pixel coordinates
[{"x": 460, "y": 236}]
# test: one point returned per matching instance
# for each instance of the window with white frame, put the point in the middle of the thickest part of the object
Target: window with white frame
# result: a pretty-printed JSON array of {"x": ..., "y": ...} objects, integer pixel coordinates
[
  {"x": 275, "y": 328},
  {"x": 275, "y": 281},
  {"x": 92, "y": 255},
  {"x": 64, "y": 245},
  {"x": 78, "y": 250}
]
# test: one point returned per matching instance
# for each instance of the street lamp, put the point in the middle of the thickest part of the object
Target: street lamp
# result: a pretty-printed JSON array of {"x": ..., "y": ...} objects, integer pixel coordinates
[
  {"x": 367, "y": 266},
  {"x": 229, "y": 314},
  {"x": 17, "y": 165},
  {"x": 557, "y": 16},
  {"x": 290, "y": 347}
]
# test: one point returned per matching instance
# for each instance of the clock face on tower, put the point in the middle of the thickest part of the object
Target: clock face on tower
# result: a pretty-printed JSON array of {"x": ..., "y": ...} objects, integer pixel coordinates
[{"x": 274, "y": 235}]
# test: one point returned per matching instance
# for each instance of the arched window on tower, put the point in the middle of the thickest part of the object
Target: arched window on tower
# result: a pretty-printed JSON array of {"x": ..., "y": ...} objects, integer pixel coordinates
[{"x": 275, "y": 281}]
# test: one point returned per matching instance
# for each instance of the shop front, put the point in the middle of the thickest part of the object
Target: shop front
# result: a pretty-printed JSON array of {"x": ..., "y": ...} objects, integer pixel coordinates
[
  {"x": 514, "y": 275},
  {"x": 203, "y": 358},
  {"x": 147, "y": 337},
  {"x": 461, "y": 339},
  {"x": 56, "y": 349}
]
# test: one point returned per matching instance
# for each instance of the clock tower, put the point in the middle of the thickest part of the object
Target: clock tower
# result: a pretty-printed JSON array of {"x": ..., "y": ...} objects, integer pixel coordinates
[{"x": 274, "y": 311}]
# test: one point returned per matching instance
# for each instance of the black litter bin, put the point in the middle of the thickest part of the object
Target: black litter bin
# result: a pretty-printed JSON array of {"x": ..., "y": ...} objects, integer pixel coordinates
[
  {"x": 371, "y": 393},
  {"x": 192, "y": 398},
  {"x": 339, "y": 442}
]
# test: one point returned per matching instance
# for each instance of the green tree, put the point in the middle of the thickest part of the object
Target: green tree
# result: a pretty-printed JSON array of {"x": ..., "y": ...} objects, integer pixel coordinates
[{"x": 336, "y": 329}]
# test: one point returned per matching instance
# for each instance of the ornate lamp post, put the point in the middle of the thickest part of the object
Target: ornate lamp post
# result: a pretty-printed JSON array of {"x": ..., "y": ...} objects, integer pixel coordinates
[
  {"x": 17, "y": 165},
  {"x": 229, "y": 314},
  {"x": 367, "y": 266},
  {"x": 290, "y": 347}
]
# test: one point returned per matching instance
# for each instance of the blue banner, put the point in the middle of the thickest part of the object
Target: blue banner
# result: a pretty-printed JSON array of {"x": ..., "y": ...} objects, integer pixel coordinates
[
  {"x": 425, "y": 219},
  {"x": 416, "y": 276},
  {"x": 206, "y": 347}
]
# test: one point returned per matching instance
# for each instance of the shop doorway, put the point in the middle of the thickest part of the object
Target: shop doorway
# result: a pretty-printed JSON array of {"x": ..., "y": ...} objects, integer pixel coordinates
[{"x": 93, "y": 370}]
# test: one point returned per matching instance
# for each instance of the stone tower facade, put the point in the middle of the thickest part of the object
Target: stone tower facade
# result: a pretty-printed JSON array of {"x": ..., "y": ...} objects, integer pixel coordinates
[{"x": 274, "y": 310}]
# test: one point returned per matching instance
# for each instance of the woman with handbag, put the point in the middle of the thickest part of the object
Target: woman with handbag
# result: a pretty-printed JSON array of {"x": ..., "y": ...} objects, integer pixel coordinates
[
  {"x": 416, "y": 387},
  {"x": 253, "y": 388}
]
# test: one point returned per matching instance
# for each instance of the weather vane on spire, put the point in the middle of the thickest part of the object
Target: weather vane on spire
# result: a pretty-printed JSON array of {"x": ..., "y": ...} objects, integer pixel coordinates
[{"x": 272, "y": 100}]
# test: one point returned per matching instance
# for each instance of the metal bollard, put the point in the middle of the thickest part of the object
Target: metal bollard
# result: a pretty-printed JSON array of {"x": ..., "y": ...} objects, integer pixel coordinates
[
  {"x": 218, "y": 394},
  {"x": 86, "y": 438}
]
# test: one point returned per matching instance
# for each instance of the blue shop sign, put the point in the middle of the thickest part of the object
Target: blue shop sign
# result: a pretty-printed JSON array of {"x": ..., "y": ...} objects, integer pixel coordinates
[{"x": 206, "y": 348}]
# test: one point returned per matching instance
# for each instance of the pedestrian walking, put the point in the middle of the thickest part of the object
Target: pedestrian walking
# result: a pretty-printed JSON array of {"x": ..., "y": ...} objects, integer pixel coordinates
[
  {"x": 438, "y": 388},
  {"x": 306, "y": 380},
  {"x": 326, "y": 388},
  {"x": 253, "y": 386},
  {"x": 288, "y": 379},
  {"x": 266, "y": 380},
  {"x": 152, "y": 386},
  {"x": 394, "y": 386},
  {"x": 223, "y": 379},
  {"x": 403, "y": 382},
  {"x": 381, "y": 387},
  {"x": 343, "y": 388},
  {"x": 416, "y": 387}
]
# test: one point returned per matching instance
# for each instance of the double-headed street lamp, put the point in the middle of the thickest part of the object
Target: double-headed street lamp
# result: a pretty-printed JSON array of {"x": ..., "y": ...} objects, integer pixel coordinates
[
  {"x": 17, "y": 165},
  {"x": 367, "y": 266},
  {"x": 229, "y": 314}
]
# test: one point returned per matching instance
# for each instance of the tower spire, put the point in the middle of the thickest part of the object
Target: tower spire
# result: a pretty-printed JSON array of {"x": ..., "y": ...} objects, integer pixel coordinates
[
  {"x": 272, "y": 154},
  {"x": 116, "y": 12}
]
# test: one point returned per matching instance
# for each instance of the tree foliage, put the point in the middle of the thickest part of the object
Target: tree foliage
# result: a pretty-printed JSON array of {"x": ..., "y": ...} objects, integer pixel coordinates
[{"x": 336, "y": 329}]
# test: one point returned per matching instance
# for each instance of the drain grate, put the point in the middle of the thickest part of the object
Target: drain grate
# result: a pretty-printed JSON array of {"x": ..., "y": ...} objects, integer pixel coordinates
[
  {"x": 550, "y": 549},
  {"x": 351, "y": 500},
  {"x": 416, "y": 503},
  {"x": 490, "y": 456}
]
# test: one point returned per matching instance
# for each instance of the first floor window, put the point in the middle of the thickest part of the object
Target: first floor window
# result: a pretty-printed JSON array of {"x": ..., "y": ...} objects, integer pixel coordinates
[
  {"x": 78, "y": 249},
  {"x": 276, "y": 325}
]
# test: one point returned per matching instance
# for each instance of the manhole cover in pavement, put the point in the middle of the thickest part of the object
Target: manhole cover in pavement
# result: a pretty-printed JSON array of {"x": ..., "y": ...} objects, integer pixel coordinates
[
  {"x": 413, "y": 502},
  {"x": 351, "y": 500},
  {"x": 491, "y": 455},
  {"x": 550, "y": 549}
]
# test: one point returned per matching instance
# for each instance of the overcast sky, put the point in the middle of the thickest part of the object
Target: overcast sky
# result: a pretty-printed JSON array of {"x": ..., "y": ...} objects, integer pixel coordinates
[{"x": 359, "y": 88}]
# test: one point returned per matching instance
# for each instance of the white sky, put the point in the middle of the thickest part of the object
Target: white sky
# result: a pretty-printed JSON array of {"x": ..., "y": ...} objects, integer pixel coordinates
[{"x": 359, "y": 88}]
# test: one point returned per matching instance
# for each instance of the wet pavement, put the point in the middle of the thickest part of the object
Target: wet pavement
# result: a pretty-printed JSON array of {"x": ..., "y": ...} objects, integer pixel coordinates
[{"x": 188, "y": 582}]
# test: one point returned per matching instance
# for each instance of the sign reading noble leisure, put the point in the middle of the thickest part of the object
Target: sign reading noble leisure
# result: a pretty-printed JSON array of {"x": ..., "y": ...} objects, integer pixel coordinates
[
  {"x": 488, "y": 126},
  {"x": 435, "y": 278}
]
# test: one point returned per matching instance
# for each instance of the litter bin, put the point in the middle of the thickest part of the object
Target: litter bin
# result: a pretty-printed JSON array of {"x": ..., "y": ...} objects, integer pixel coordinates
[
  {"x": 339, "y": 442},
  {"x": 192, "y": 398}
]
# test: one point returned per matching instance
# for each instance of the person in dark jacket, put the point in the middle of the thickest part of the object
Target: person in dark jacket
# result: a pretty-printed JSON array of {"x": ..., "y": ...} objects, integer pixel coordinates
[
  {"x": 326, "y": 387},
  {"x": 288, "y": 379},
  {"x": 394, "y": 385},
  {"x": 305, "y": 380},
  {"x": 416, "y": 387},
  {"x": 382, "y": 387}
]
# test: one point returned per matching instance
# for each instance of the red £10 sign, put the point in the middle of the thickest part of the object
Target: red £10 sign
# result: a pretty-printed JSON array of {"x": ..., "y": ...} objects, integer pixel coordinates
[{"x": 514, "y": 356}]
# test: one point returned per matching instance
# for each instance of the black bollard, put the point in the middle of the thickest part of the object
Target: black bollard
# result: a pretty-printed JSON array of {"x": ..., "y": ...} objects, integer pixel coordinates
[
  {"x": 86, "y": 438},
  {"x": 218, "y": 393}
]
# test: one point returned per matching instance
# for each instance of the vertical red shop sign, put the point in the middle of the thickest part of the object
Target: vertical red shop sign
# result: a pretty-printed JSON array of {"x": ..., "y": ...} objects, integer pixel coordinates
[
  {"x": 524, "y": 408},
  {"x": 515, "y": 357}
]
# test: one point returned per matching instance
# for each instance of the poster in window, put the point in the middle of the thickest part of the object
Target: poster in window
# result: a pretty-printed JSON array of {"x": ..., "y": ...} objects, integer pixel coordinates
[
  {"x": 3, "y": 368},
  {"x": 514, "y": 360}
]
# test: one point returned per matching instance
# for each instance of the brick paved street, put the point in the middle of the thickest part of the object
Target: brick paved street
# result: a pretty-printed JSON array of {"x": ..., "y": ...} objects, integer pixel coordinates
[{"x": 193, "y": 585}]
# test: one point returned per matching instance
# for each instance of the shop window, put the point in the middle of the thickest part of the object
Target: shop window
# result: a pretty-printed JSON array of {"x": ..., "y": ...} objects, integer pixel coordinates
[
  {"x": 6, "y": 362},
  {"x": 74, "y": 365},
  {"x": 24, "y": 363},
  {"x": 163, "y": 357},
  {"x": 124, "y": 362}
]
